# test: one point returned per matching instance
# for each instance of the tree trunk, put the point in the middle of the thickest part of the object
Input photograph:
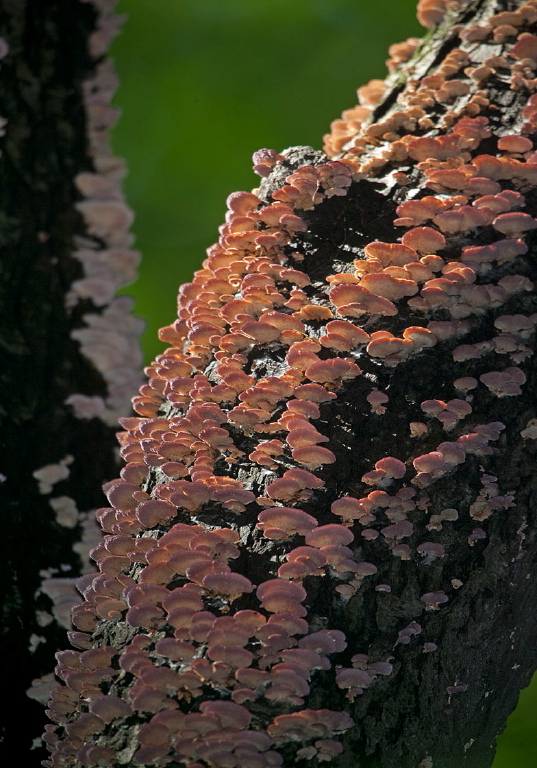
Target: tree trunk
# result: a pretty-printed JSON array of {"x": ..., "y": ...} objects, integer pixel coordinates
[
  {"x": 62, "y": 391},
  {"x": 322, "y": 547}
]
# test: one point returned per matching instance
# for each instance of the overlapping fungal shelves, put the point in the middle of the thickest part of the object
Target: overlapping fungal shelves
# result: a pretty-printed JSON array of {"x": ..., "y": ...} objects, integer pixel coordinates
[
  {"x": 320, "y": 548},
  {"x": 69, "y": 348}
]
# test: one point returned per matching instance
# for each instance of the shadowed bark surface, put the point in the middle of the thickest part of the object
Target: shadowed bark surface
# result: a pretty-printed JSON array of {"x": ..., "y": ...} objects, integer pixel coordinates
[{"x": 44, "y": 147}]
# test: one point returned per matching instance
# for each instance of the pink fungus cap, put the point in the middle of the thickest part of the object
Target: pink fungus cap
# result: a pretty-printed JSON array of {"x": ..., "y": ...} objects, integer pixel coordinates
[
  {"x": 314, "y": 392},
  {"x": 349, "y": 509},
  {"x": 393, "y": 468},
  {"x": 229, "y": 714},
  {"x": 424, "y": 240},
  {"x": 230, "y": 585},
  {"x": 313, "y": 456},
  {"x": 288, "y": 519},
  {"x": 329, "y": 534}
]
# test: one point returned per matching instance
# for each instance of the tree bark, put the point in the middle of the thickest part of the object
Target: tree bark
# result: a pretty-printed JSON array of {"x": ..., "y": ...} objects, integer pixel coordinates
[
  {"x": 408, "y": 650},
  {"x": 58, "y": 405}
]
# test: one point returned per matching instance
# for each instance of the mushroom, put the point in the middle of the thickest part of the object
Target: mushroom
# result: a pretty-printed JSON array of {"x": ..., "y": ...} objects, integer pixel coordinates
[
  {"x": 514, "y": 224},
  {"x": 433, "y": 600},
  {"x": 229, "y": 585},
  {"x": 424, "y": 240},
  {"x": 281, "y": 522},
  {"x": 376, "y": 400},
  {"x": 313, "y": 456},
  {"x": 328, "y": 535},
  {"x": 281, "y": 595},
  {"x": 349, "y": 509}
]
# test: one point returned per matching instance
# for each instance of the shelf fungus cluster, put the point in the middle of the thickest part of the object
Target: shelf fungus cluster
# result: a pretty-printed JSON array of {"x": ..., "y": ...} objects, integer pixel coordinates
[
  {"x": 257, "y": 506},
  {"x": 95, "y": 386},
  {"x": 109, "y": 336}
]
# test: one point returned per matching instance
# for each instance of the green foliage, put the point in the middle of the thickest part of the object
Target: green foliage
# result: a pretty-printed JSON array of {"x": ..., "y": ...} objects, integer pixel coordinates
[{"x": 205, "y": 83}]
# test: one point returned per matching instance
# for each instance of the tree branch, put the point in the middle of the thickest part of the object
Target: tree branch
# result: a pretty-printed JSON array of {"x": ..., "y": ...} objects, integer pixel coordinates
[
  {"x": 322, "y": 545},
  {"x": 69, "y": 354}
]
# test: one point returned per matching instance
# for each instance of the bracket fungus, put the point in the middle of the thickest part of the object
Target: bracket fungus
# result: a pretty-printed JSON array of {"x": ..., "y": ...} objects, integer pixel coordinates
[{"x": 270, "y": 394}]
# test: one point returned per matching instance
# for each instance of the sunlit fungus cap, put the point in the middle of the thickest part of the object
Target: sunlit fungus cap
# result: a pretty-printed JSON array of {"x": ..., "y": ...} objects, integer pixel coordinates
[
  {"x": 313, "y": 456},
  {"x": 280, "y": 522},
  {"x": 349, "y": 509},
  {"x": 228, "y": 585},
  {"x": 331, "y": 534},
  {"x": 391, "y": 254},
  {"x": 424, "y": 240},
  {"x": 392, "y": 288}
]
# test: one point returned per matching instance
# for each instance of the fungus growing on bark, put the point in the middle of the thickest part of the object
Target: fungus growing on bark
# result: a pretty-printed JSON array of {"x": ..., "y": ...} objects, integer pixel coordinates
[
  {"x": 349, "y": 509},
  {"x": 376, "y": 400},
  {"x": 386, "y": 469},
  {"x": 424, "y": 240},
  {"x": 313, "y": 456},
  {"x": 246, "y": 319},
  {"x": 281, "y": 595},
  {"x": 229, "y": 585},
  {"x": 514, "y": 224},
  {"x": 281, "y": 522},
  {"x": 433, "y": 600},
  {"x": 506, "y": 383},
  {"x": 355, "y": 301}
]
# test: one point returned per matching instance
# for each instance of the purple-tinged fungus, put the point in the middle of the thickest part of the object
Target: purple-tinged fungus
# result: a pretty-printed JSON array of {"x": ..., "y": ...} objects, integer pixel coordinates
[
  {"x": 313, "y": 560},
  {"x": 430, "y": 550},
  {"x": 465, "y": 384},
  {"x": 504, "y": 383},
  {"x": 278, "y": 595},
  {"x": 399, "y": 530},
  {"x": 331, "y": 534},
  {"x": 432, "y": 463},
  {"x": 230, "y": 715},
  {"x": 281, "y": 522},
  {"x": 376, "y": 400},
  {"x": 393, "y": 468},
  {"x": 228, "y": 585},
  {"x": 348, "y": 509},
  {"x": 242, "y": 202},
  {"x": 264, "y": 161},
  {"x": 429, "y": 647},
  {"x": 404, "y": 636},
  {"x": 433, "y": 600},
  {"x": 314, "y": 392},
  {"x": 478, "y": 534},
  {"x": 151, "y": 513}
]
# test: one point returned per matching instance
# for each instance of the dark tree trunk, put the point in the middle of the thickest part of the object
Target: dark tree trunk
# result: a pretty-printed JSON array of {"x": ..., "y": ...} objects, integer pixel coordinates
[
  {"x": 436, "y": 597},
  {"x": 54, "y": 455}
]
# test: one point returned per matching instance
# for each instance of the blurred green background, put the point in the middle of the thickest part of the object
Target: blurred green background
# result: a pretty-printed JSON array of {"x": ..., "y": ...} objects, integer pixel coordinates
[{"x": 205, "y": 83}]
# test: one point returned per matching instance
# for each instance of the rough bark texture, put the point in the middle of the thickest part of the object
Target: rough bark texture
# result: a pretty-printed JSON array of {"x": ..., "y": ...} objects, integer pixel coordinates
[
  {"x": 46, "y": 145},
  {"x": 453, "y": 626}
]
